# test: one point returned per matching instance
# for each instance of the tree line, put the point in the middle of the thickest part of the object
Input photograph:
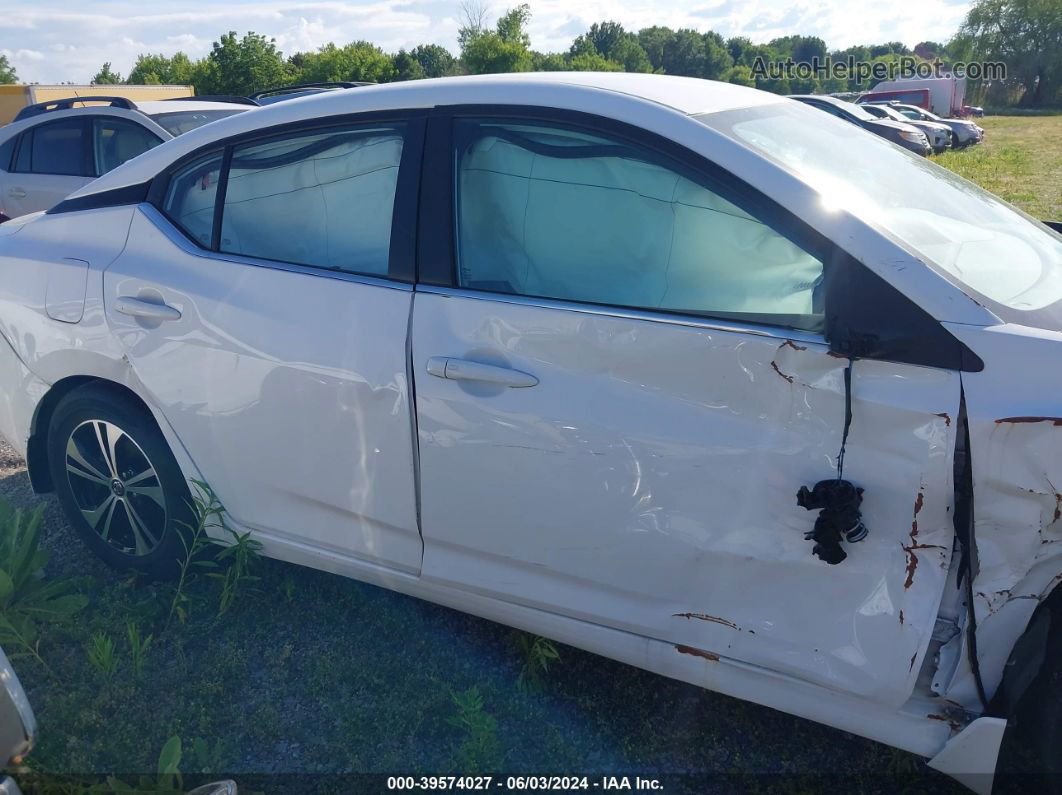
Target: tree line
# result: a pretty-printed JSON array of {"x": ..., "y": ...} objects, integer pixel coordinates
[{"x": 1024, "y": 34}]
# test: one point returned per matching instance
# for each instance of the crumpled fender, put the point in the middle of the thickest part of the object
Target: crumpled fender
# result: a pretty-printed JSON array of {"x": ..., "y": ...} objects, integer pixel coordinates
[{"x": 1014, "y": 410}]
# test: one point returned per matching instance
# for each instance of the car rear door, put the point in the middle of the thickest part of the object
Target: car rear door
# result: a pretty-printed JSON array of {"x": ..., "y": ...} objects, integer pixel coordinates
[
  {"x": 622, "y": 382},
  {"x": 51, "y": 161},
  {"x": 264, "y": 306}
]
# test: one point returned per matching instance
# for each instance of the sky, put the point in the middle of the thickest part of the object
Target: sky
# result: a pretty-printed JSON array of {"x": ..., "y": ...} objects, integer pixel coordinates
[{"x": 52, "y": 41}]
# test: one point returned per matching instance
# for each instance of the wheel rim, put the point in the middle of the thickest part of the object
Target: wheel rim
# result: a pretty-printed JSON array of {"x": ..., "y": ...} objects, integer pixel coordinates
[{"x": 116, "y": 487}]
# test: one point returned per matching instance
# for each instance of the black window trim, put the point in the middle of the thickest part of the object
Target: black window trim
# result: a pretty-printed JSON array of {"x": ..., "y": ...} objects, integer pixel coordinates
[
  {"x": 899, "y": 330},
  {"x": 402, "y": 249}
]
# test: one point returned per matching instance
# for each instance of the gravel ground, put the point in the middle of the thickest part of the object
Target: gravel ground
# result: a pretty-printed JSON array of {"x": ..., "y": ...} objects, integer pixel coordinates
[{"x": 324, "y": 677}]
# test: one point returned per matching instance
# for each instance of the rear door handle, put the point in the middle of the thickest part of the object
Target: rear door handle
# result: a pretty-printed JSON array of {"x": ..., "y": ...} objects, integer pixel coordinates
[
  {"x": 135, "y": 307},
  {"x": 17, "y": 193},
  {"x": 464, "y": 370}
]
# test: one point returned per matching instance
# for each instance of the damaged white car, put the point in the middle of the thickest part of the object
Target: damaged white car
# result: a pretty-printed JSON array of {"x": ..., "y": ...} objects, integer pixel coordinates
[{"x": 686, "y": 374}]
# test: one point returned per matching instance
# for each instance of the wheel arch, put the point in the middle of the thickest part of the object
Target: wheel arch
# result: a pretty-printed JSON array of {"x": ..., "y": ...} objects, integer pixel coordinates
[{"x": 37, "y": 444}]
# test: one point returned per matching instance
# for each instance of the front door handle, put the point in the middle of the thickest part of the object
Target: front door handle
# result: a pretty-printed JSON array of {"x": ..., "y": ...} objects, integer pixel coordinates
[
  {"x": 135, "y": 307},
  {"x": 17, "y": 193},
  {"x": 464, "y": 370}
]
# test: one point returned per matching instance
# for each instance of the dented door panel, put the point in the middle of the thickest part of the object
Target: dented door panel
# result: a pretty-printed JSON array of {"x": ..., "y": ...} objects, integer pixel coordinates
[
  {"x": 648, "y": 482},
  {"x": 1016, "y": 454}
]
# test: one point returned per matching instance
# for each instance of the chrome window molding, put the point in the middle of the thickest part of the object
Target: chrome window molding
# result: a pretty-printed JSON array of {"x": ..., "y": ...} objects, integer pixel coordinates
[
  {"x": 692, "y": 321},
  {"x": 179, "y": 239}
]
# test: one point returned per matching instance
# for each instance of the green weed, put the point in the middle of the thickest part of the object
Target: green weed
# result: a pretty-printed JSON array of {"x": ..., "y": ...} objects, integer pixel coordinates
[{"x": 26, "y": 598}]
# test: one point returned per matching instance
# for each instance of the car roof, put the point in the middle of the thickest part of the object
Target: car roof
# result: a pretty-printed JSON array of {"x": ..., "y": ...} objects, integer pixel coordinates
[
  {"x": 144, "y": 111},
  {"x": 617, "y": 95},
  {"x": 157, "y": 106}
]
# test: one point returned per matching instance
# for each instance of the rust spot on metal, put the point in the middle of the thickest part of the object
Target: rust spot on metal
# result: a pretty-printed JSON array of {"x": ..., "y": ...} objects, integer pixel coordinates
[
  {"x": 794, "y": 346},
  {"x": 788, "y": 378},
  {"x": 909, "y": 549},
  {"x": 1056, "y": 421},
  {"x": 954, "y": 724},
  {"x": 836, "y": 355},
  {"x": 705, "y": 617},
  {"x": 913, "y": 658},
  {"x": 946, "y": 417},
  {"x": 912, "y": 564},
  {"x": 1058, "y": 507},
  {"x": 901, "y": 618},
  {"x": 707, "y": 655}
]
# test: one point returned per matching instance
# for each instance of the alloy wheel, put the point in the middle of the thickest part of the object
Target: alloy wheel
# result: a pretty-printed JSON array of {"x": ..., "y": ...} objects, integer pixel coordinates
[{"x": 116, "y": 487}]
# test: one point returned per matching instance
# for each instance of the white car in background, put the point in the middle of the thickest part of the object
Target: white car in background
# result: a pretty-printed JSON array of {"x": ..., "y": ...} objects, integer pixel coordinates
[
  {"x": 561, "y": 350},
  {"x": 53, "y": 148}
]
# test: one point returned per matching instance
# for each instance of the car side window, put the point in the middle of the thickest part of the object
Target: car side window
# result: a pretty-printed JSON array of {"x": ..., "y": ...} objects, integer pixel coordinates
[
  {"x": 191, "y": 195},
  {"x": 323, "y": 198},
  {"x": 55, "y": 148},
  {"x": 116, "y": 140},
  {"x": 551, "y": 211}
]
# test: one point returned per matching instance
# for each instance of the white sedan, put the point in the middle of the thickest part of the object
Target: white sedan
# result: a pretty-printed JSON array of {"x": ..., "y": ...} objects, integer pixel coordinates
[{"x": 561, "y": 350}]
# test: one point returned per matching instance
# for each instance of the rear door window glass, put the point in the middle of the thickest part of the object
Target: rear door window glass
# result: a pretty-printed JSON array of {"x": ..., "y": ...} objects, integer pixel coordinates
[{"x": 58, "y": 148}]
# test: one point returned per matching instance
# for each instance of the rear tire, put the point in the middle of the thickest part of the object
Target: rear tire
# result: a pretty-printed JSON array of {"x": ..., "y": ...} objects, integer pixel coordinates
[{"x": 117, "y": 481}]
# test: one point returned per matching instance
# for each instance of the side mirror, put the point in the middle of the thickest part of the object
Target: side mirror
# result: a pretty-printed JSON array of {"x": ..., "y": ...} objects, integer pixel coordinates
[{"x": 18, "y": 727}]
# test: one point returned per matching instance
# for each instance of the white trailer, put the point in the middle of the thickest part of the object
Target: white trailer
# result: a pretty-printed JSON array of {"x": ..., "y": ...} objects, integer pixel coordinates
[{"x": 943, "y": 96}]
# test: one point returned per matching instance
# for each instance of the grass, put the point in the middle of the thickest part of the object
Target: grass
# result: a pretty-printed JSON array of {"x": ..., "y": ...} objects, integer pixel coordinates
[{"x": 1020, "y": 160}]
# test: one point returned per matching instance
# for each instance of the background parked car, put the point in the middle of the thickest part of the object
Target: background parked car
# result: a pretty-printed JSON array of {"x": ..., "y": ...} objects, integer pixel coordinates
[
  {"x": 905, "y": 135},
  {"x": 53, "y": 148},
  {"x": 939, "y": 135},
  {"x": 964, "y": 132}
]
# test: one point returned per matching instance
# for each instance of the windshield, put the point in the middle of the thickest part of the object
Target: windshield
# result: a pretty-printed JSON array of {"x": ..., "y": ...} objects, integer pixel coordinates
[
  {"x": 182, "y": 121},
  {"x": 982, "y": 243}
]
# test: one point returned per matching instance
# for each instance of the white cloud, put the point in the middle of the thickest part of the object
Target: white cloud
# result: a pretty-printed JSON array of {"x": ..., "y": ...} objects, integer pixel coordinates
[{"x": 78, "y": 42}]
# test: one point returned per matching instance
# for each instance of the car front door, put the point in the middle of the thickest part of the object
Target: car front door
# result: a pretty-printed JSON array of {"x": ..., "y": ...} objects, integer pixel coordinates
[
  {"x": 621, "y": 384},
  {"x": 264, "y": 306}
]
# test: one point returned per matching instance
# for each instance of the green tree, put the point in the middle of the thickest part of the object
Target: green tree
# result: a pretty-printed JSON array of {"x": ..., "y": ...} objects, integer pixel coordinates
[
  {"x": 684, "y": 54},
  {"x": 1026, "y": 35},
  {"x": 359, "y": 60},
  {"x": 407, "y": 67},
  {"x": 243, "y": 66},
  {"x": 106, "y": 77},
  {"x": 592, "y": 62},
  {"x": 802, "y": 49},
  {"x": 717, "y": 58},
  {"x": 930, "y": 50},
  {"x": 740, "y": 49},
  {"x": 504, "y": 49},
  {"x": 655, "y": 41},
  {"x": 740, "y": 75},
  {"x": 611, "y": 41},
  {"x": 549, "y": 62},
  {"x": 889, "y": 48},
  {"x": 630, "y": 54},
  {"x": 436, "y": 61},
  {"x": 149, "y": 69},
  {"x": 602, "y": 38},
  {"x": 8, "y": 76}
]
